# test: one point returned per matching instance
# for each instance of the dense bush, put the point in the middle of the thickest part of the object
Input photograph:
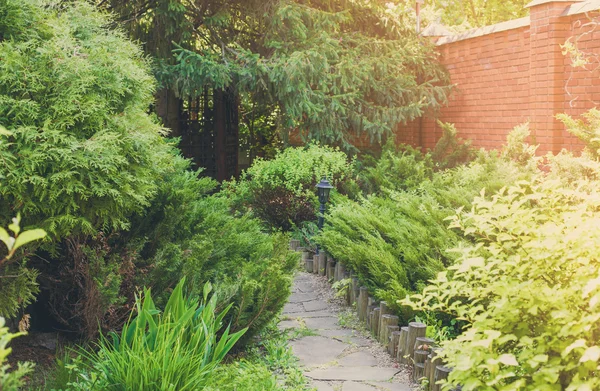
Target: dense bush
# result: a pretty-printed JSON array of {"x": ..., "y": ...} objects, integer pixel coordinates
[
  {"x": 528, "y": 287},
  {"x": 188, "y": 233},
  {"x": 80, "y": 153},
  {"x": 397, "y": 238},
  {"x": 176, "y": 349},
  {"x": 84, "y": 160},
  {"x": 281, "y": 191}
]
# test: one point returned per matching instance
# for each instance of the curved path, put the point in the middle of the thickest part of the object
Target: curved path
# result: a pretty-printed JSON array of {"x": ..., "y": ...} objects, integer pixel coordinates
[{"x": 336, "y": 358}]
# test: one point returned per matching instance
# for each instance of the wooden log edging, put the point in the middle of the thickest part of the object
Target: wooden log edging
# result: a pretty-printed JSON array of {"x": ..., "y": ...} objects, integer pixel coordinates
[{"x": 408, "y": 345}]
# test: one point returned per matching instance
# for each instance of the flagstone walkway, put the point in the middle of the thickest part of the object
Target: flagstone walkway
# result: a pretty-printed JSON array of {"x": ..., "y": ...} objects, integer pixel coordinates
[{"x": 336, "y": 358}]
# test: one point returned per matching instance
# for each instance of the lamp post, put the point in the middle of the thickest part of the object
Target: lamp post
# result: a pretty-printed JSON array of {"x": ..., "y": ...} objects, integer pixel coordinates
[{"x": 323, "y": 190}]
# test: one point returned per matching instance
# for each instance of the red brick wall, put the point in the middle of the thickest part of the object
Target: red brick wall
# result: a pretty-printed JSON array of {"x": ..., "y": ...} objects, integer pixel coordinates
[{"x": 510, "y": 75}]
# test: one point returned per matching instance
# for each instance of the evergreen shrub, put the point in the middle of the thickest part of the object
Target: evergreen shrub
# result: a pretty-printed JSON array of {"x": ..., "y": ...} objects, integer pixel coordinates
[{"x": 396, "y": 238}]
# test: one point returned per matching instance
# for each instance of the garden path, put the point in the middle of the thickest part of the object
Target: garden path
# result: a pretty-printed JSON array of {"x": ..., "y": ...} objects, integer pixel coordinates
[{"x": 336, "y": 358}]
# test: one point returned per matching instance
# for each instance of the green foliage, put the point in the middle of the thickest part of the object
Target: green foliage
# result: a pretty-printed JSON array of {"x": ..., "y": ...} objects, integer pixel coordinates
[
  {"x": 528, "y": 286},
  {"x": 450, "y": 150},
  {"x": 586, "y": 129},
  {"x": 400, "y": 167},
  {"x": 268, "y": 365},
  {"x": 282, "y": 191},
  {"x": 394, "y": 244},
  {"x": 187, "y": 233},
  {"x": 476, "y": 13},
  {"x": 81, "y": 153},
  {"x": 18, "y": 285},
  {"x": 396, "y": 239},
  {"x": 518, "y": 149},
  {"x": 340, "y": 69},
  {"x": 174, "y": 350},
  {"x": 332, "y": 70},
  {"x": 13, "y": 380}
]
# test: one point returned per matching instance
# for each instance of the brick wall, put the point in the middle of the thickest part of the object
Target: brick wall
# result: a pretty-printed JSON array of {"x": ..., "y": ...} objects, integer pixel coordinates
[{"x": 515, "y": 72}]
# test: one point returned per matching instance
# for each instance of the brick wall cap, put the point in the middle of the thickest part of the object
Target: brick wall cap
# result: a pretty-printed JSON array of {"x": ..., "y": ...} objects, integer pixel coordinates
[
  {"x": 478, "y": 32},
  {"x": 581, "y": 8},
  {"x": 541, "y": 2}
]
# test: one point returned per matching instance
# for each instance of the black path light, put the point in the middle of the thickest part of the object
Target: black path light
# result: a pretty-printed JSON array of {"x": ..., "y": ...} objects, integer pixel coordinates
[{"x": 323, "y": 190}]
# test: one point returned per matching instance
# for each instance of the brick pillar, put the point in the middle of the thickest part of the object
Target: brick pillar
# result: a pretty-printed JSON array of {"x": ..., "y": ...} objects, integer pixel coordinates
[{"x": 547, "y": 70}]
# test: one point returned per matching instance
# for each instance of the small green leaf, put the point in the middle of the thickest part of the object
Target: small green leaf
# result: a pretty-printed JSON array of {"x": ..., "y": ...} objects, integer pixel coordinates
[
  {"x": 508, "y": 359},
  {"x": 29, "y": 236}
]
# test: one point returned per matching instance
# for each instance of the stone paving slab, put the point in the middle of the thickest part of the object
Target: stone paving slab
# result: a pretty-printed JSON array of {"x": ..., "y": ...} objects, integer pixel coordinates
[
  {"x": 391, "y": 386},
  {"x": 328, "y": 323},
  {"x": 335, "y": 359},
  {"x": 353, "y": 373},
  {"x": 315, "y": 350},
  {"x": 302, "y": 297},
  {"x": 291, "y": 308},
  {"x": 315, "y": 305},
  {"x": 357, "y": 359}
]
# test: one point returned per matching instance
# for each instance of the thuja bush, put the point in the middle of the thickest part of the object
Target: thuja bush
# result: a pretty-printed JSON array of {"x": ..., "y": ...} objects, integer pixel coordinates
[
  {"x": 79, "y": 154},
  {"x": 529, "y": 288},
  {"x": 281, "y": 191}
]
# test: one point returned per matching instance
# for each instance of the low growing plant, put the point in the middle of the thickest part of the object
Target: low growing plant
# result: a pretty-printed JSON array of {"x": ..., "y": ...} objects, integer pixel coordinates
[
  {"x": 176, "y": 349},
  {"x": 11, "y": 380}
]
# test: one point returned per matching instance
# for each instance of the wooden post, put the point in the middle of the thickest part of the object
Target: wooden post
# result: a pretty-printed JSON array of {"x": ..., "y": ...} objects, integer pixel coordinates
[
  {"x": 309, "y": 265},
  {"x": 415, "y": 330},
  {"x": 330, "y": 268},
  {"x": 391, "y": 329},
  {"x": 419, "y": 361},
  {"x": 341, "y": 272},
  {"x": 363, "y": 300},
  {"x": 322, "y": 263},
  {"x": 427, "y": 371},
  {"x": 375, "y": 322},
  {"x": 316, "y": 264},
  {"x": 294, "y": 244},
  {"x": 305, "y": 255},
  {"x": 402, "y": 345},
  {"x": 369, "y": 317},
  {"x": 435, "y": 361},
  {"x": 394, "y": 342},
  {"x": 386, "y": 320},
  {"x": 353, "y": 289},
  {"x": 424, "y": 343},
  {"x": 441, "y": 373},
  {"x": 383, "y": 310}
]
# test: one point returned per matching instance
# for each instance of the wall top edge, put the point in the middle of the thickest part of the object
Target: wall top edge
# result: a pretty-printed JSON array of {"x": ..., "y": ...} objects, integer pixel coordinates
[
  {"x": 581, "y": 8},
  {"x": 540, "y": 2},
  {"x": 478, "y": 32}
]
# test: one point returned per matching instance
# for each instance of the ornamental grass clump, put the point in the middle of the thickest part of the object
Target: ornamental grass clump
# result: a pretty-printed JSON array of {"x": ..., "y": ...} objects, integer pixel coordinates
[{"x": 176, "y": 349}]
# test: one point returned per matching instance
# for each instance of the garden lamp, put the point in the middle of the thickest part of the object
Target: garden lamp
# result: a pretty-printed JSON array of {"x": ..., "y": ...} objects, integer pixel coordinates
[{"x": 323, "y": 190}]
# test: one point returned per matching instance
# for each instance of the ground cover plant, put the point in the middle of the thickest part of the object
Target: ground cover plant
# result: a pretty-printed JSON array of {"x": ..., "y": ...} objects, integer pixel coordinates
[
  {"x": 528, "y": 284},
  {"x": 393, "y": 231}
]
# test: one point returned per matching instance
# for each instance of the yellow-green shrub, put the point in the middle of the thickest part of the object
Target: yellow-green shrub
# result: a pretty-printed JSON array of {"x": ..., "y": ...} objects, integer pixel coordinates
[{"x": 529, "y": 287}]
